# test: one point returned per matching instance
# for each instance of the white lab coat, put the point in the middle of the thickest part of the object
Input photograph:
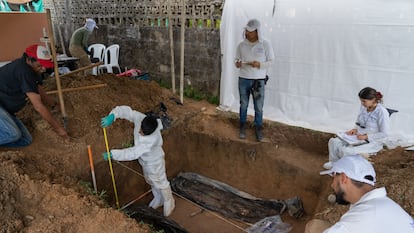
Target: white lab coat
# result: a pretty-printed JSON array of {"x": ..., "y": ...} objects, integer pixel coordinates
[
  {"x": 147, "y": 149},
  {"x": 376, "y": 125},
  {"x": 374, "y": 213}
]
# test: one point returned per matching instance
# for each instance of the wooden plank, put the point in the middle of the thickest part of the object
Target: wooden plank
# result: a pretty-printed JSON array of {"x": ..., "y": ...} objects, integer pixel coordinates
[
  {"x": 82, "y": 69},
  {"x": 78, "y": 88},
  {"x": 52, "y": 47}
]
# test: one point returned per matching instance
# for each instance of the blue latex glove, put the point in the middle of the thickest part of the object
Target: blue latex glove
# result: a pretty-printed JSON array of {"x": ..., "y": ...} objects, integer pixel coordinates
[
  {"x": 108, "y": 120},
  {"x": 105, "y": 156}
]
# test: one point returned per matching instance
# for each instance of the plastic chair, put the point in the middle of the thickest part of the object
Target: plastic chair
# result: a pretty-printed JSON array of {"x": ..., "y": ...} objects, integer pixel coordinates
[
  {"x": 97, "y": 52},
  {"x": 391, "y": 111},
  {"x": 111, "y": 57}
]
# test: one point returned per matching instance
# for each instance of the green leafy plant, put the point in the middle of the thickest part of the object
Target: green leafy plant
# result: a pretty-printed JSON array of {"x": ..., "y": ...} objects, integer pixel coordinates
[
  {"x": 87, "y": 186},
  {"x": 214, "y": 100},
  {"x": 164, "y": 84},
  {"x": 190, "y": 92}
]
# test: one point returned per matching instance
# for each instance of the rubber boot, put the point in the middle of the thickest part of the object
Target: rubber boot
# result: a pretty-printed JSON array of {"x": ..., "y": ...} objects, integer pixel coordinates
[
  {"x": 242, "y": 130},
  {"x": 169, "y": 202},
  {"x": 157, "y": 201},
  {"x": 259, "y": 133}
]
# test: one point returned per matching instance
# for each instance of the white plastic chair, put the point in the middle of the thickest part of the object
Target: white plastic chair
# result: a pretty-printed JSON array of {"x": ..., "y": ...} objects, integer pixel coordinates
[
  {"x": 98, "y": 51},
  {"x": 111, "y": 57}
]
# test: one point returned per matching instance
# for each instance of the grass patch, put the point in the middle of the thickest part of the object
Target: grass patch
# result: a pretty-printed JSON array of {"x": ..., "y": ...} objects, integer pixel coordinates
[
  {"x": 192, "y": 93},
  {"x": 87, "y": 186}
]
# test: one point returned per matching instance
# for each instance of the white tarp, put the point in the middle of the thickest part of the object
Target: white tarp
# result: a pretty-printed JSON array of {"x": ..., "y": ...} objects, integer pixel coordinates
[{"x": 326, "y": 51}]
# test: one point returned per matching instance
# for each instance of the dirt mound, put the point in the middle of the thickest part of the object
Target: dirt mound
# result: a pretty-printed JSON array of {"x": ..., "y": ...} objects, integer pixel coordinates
[{"x": 42, "y": 187}]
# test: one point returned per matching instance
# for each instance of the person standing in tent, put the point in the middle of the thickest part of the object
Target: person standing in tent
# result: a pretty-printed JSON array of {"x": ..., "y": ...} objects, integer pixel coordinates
[
  {"x": 21, "y": 79},
  {"x": 372, "y": 125},
  {"x": 254, "y": 56},
  {"x": 148, "y": 150},
  {"x": 370, "y": 211},
  {"x": 78, "y": 45}
]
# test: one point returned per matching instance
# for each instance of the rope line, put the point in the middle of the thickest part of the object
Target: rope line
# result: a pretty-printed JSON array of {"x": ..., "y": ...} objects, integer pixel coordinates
[{"x": 193, "y": 203}]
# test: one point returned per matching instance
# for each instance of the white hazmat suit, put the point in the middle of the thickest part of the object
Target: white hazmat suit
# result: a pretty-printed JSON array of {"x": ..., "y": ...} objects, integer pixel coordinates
[{"x": 148, "y": 150}]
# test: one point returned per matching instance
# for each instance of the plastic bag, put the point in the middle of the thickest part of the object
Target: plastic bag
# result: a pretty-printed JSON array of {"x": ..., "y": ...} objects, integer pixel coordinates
[{"x": 272, "y": 224}]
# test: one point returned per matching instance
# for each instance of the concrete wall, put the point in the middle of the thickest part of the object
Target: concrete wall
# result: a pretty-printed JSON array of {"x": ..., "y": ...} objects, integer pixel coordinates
[
  {"x": 143, "y": 36},
  {"x": 148, "y": 48}
]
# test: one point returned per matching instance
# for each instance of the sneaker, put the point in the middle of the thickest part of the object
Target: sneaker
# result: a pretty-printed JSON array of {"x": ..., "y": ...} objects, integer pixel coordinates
[
  {"x": 259, "y": 133},
  {"x": 242, "y": 134},
  {"x": 327, "y": 165}
]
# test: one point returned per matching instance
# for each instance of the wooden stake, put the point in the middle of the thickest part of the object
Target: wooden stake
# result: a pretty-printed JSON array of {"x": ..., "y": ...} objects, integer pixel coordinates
[
  {"x": 78, "y": 88},
  {"x": 92, "y": 169},
  {"x": 170, "y": 28},
  {"x": 52, "y": 47},
  {"x": 82, "y": 69},
  {"x": 183, "y": 12}
]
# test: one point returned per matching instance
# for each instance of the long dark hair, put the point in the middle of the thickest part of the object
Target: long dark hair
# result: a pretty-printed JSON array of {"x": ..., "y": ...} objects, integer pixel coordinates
[{"x": 369, "y": 93}]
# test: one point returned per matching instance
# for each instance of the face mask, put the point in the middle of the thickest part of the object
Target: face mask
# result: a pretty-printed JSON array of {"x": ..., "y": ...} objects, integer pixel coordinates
[{"x": 90, "y": 27}]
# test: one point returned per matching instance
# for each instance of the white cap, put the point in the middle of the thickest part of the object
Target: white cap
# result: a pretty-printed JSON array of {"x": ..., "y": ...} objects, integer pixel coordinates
[
  {"x": 355, "y": 167},
  {"x": 252, "y": 25},
  {"x": 90, "y": 24}
]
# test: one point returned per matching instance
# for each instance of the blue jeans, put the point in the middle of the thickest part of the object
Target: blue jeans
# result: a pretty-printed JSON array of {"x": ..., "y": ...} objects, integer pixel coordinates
[
  {"x": 13, "y": 133},
  {"x": 245, "y": 86}
]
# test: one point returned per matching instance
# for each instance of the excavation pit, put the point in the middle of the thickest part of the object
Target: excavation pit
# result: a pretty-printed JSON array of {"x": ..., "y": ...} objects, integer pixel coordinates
[
  {"x": 43, "y": 184},
  {"x": 280, "y": 168}
]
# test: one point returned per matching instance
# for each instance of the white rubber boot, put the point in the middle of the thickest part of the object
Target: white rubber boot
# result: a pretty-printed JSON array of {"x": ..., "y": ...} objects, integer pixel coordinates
[
  {"x": 169, "y": 202},
  {"x": 157, "y": 201}
]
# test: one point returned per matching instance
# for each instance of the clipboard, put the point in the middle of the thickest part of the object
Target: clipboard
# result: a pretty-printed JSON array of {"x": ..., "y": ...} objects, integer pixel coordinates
[{"x": 351, "y": 140}]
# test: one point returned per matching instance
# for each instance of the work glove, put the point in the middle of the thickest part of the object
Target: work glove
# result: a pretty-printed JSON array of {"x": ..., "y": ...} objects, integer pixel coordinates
[
  {"x": 106, "y": 156},
  {"x": 108, "y": 120}
]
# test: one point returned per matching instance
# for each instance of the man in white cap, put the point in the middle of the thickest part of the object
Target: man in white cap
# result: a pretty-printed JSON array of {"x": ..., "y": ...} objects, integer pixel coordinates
[
  {"x": 78, "y": 45},
  {"x": 254, "y": 56},
  {"x": 19, "y": 80},
  {"x": 371, "y": 211}
]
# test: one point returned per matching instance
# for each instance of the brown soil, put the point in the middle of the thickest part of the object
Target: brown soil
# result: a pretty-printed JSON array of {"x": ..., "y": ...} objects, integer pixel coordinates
[{"x": 42, "y": 185}]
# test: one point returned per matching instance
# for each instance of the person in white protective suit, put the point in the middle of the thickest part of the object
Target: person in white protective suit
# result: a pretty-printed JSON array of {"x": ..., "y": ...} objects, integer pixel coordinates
[
  {"x": 148, "y": 150},
  {"x": 372, "y": 125}
]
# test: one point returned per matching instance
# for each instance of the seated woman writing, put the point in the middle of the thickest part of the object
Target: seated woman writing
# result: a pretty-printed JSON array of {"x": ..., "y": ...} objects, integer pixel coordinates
[{"x": 372, "y": 125}]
